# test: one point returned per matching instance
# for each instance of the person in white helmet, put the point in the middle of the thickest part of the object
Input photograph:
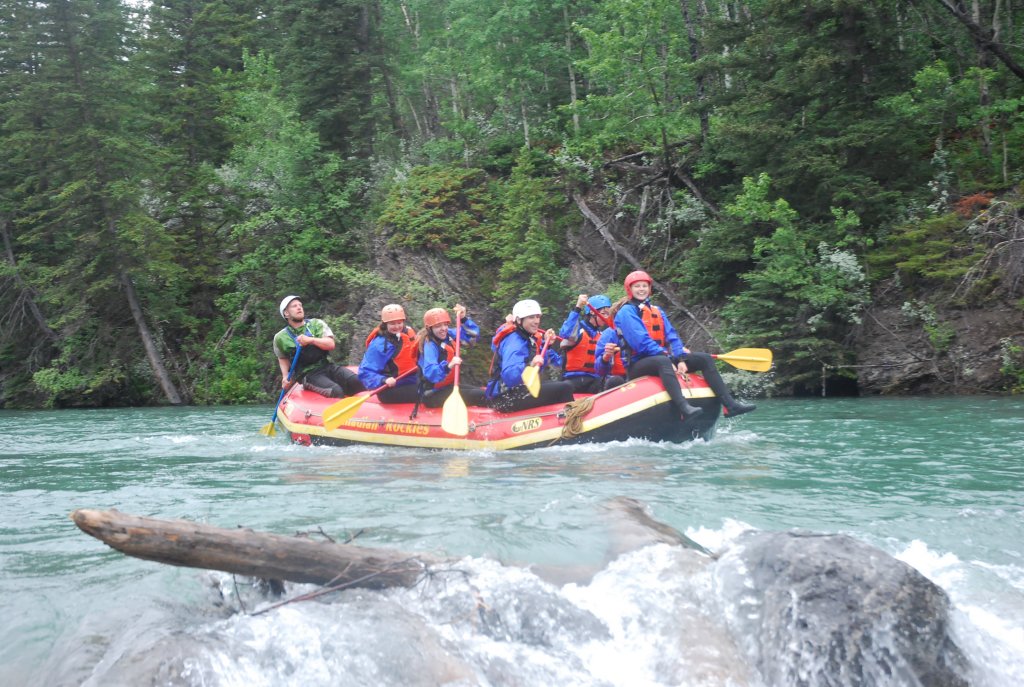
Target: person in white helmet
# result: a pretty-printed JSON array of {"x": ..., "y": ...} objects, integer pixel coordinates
[
  {"x": 301, "y": 349},
  {"x": 516, "y": 344}
]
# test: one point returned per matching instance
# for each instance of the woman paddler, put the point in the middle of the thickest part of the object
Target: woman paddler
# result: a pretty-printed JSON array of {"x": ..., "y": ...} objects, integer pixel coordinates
[
  {"x": 651, "y": 346},
  {"x": 437, "y": 359},
  {"x": 390, "y": 351}
]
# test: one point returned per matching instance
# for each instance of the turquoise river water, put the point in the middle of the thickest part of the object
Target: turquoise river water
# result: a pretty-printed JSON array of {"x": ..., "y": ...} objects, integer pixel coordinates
[{"x": 936, "y": 482}]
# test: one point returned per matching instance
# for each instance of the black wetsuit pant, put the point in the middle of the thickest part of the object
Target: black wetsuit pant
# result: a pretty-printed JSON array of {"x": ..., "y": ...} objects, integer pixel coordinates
[
  {"x": 406, "y": 393},
  {"x": 661, "y": 366},
  {"x": 518, "y": 398},
  {"x": 472, "y": 395},
  {"x": 585, "y": 384},
  {"x": 333, "y": 381}
]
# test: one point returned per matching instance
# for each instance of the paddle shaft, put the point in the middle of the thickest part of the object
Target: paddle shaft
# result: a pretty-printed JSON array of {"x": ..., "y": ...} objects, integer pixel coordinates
[{"x": 458, "y": 342}]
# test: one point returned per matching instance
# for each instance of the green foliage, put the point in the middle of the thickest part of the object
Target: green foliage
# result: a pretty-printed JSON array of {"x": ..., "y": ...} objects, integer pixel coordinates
[
  {"x": 529, "y": 237},
  {"x": 441, "y": 208},
  {"x": 1012, "y": 357},
  {"x": 935, "y": 250},
  {"x": 802, "y": 292},
  {"x": 234, "y": 374}
]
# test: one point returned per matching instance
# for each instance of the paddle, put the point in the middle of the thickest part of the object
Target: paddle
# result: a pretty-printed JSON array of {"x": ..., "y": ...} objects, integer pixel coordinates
[
  {"x": 753, "y": 359},
  {"x": 341, "y": 412},
  {"x": 531, "y": 373},
  {"x": 454, "y": 415},
  {"x": 268, "y": 429}
]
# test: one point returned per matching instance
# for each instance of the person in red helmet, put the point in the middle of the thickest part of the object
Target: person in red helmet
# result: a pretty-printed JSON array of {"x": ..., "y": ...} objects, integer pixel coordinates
[
  {"x": 437, "y": 359},
  {"x": 307, "y": 342},
  {"x": 390, "y": 351},
  {"x": 651, "y": 346}
]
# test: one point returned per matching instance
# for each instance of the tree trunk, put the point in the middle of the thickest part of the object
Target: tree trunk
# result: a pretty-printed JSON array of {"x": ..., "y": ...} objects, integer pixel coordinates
[
  {"x": 152, "y": 354},
  {"x": 244, "y": 552},
  {"x": 663, "y": 289},
  {"x": 983, "y": 37}
]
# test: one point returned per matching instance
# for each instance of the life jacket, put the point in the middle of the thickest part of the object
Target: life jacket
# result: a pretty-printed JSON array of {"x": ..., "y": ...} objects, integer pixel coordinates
[
  {"x": 448, "y": 347},
  {"x": 535, "y": 344},
  {"x": 309, "y": 356},
  {"x": 580, "y": 358},
  {"x": 618, "y": 368},
  {"x": 405, "y": 355},
  {"x": 654, "y": 323}
]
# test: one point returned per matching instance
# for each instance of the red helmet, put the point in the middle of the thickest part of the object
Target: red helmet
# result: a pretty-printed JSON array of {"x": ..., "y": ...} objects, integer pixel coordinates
[
  {"x": 392, "y": 313},
  {"x": 634, "y": 277},
  {"x": 436, "y": 316}
]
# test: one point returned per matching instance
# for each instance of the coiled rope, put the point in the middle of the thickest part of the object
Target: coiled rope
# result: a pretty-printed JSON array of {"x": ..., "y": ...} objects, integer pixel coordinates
[{"x": 574, "y": 414}]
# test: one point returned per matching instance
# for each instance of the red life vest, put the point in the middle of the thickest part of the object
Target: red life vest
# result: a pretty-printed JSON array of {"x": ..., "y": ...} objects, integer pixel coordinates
[{"x": 404, "y": 358}]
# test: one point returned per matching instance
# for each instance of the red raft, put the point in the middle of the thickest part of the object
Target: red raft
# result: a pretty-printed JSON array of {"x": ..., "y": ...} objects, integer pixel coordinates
[{"x": 639, "y": 409}]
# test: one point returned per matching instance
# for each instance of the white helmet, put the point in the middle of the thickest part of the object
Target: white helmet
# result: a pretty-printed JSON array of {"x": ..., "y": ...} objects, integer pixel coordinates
[
  {"x": 525, "y": 309},
  {"x": 286, "y": 302}
]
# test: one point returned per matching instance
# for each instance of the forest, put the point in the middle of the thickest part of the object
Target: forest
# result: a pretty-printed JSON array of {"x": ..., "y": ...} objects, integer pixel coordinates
[{"x": 171, "y": 169}]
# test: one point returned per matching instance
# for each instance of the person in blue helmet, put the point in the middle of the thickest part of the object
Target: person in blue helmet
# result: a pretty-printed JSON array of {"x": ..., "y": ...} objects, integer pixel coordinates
[
  {"x": 313, "y": 340},
  {"x": 580, "y": 333},
  {"x": 516, "y": 344},
  {"x": 652, "y": 347}
]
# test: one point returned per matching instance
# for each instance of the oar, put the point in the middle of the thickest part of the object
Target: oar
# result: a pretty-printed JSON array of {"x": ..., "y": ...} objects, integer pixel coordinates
[
  {"x": 268, "y": 429},
  {"x": 607, "y": 322},
  {"x": 753, "y": 359},
  {"x": 342, "y": 411},
  {"x": 531, "y": 373},
  {"x": 454, "y": 415}
]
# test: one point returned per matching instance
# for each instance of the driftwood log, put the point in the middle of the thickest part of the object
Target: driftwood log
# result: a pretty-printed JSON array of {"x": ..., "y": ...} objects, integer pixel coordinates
[{"x": 245, "y": 552}]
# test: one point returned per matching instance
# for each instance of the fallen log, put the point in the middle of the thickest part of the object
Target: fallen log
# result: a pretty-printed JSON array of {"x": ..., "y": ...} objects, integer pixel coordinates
[{"x": 257, "y": 554}]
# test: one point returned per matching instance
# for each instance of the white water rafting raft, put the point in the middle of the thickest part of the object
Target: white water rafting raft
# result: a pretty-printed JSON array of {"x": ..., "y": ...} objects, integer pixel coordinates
[{"x": 639, "y": 409}]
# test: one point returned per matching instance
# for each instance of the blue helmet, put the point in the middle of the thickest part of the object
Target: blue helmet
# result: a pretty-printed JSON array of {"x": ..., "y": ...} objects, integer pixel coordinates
[{"x": 599, "y": 301}]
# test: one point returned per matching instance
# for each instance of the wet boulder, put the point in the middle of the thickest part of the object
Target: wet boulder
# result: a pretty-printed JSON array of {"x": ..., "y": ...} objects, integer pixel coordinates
[{"x": 813, "y": 609}]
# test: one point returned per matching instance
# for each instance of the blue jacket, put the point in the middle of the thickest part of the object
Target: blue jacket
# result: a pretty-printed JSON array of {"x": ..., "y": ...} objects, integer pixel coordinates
[
  {"x": 513, "y": 355},
  {"x": 638, "y": 341},
  {"x": 434, "y": 362},
  {"x": 373, "y": 367},
  {"x": 608, "y": 336}
]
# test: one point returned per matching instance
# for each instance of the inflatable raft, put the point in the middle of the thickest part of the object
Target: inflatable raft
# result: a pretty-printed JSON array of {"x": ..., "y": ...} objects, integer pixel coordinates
[{"x": 639, "y": 409}]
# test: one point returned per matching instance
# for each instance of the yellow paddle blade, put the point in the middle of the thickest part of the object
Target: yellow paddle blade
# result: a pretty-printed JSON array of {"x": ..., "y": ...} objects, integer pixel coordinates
[
  {"x": 341, "y": 412},
  {"x": 455, "y": 415},
  {"x": 531, "y": 378},
  {"x": 268, "y": 430},
  {"x": 753, "y": 359}
]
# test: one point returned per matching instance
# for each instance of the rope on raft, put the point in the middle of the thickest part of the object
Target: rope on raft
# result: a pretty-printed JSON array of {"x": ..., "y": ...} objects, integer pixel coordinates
[{"x": 574, "y": 414}]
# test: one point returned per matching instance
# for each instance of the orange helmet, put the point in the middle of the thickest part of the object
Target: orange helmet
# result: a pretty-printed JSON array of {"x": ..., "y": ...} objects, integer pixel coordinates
[
  {"x": 392, "y": 313},
  {"x": 436, "y": 316},
  {"x": 634, "y": 277}
]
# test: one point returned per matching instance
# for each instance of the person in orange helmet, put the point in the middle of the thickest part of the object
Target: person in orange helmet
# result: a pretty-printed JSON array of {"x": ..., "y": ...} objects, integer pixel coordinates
[
  {"x": 437, "y": 358},
  {"x": 390, "y": 352},
  {"x": 651, "y": 346}
]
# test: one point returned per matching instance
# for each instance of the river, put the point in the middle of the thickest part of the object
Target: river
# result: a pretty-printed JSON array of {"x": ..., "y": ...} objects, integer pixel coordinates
[{"x": 936, "y": 482}]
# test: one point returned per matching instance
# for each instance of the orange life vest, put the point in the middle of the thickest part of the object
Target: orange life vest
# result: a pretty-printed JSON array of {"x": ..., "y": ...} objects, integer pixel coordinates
[
  {"x": 581, "y": 357},
  {"x": 654, "y": 322},
  {"x": 406, "y": 354},
  {"x": 449, "y": 350}
]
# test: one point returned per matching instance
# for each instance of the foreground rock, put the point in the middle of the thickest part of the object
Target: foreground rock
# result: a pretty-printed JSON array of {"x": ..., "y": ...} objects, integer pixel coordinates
[{"x": 814, "y": 609}]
